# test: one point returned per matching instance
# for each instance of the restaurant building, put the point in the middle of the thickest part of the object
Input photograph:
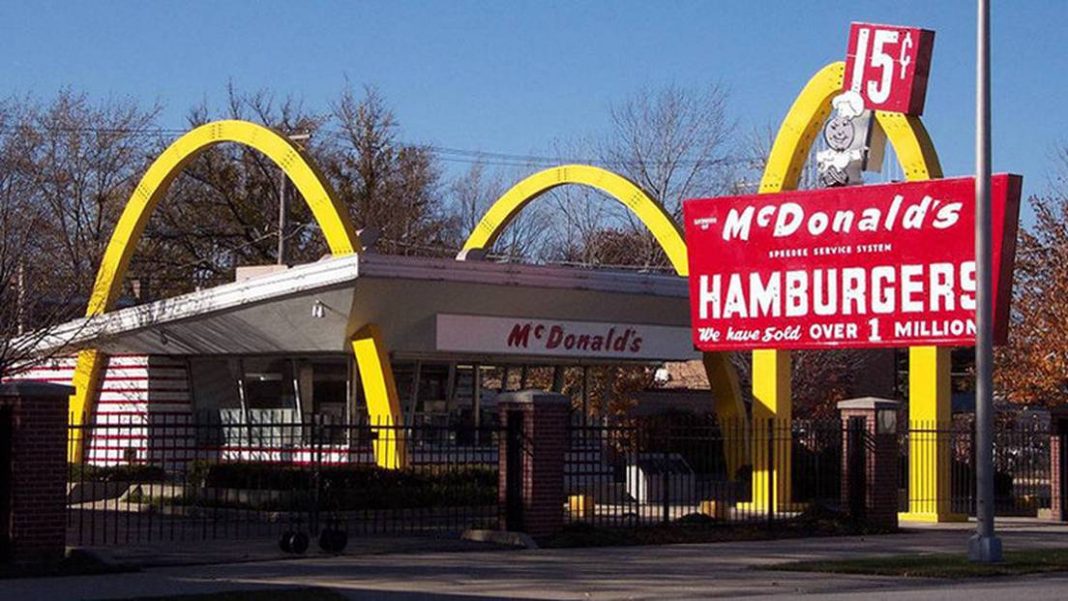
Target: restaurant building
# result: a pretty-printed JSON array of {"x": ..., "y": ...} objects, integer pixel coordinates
[{"x": 274, "y": 345}]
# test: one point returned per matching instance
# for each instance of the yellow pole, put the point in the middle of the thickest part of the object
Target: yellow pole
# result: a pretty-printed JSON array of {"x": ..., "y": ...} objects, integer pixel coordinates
[
  {"x": 772, "y": 416},
  {"x": 772, "y": 402},
  {"x": 930, "y": 418}
]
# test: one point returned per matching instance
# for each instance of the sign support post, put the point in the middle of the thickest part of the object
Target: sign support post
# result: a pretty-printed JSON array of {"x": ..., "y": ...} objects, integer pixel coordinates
[
  {"x": 772, "y": 412},
  {"x": 984, "y": 546},
  {"x": 929, "y": 422}
]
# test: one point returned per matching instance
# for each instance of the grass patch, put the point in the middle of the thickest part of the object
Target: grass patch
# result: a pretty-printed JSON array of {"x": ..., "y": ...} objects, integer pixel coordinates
[
  {"x": 280, "y": 594},
  {"x": 939, "y": 565}
]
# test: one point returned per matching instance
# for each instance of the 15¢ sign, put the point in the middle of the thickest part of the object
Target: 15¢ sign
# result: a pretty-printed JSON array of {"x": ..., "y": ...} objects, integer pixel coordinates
[{"x": 888, "y": 66}]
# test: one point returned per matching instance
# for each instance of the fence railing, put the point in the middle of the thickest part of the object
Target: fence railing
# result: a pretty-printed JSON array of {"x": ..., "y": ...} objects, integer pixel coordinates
[
  {"x": 202, "y": 476},
  {"x": 699, "y": 470},
  {"x": 1021, "y": 468},
  {"x": 161, "y": 477}
]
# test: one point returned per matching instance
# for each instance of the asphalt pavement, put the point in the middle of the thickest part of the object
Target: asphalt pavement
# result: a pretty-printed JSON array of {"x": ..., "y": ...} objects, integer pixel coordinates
[{"x": 701, "y": 571}]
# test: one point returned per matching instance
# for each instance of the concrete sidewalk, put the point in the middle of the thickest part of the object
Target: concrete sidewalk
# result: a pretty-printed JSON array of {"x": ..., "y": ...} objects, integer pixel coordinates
[{"x": 723, "y": 570}]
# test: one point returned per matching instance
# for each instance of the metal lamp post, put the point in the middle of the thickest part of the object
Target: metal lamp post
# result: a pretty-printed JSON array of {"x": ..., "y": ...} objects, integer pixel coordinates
[
  {"x": 283, "y": 204},
  {"x": 984, "y": 546}
]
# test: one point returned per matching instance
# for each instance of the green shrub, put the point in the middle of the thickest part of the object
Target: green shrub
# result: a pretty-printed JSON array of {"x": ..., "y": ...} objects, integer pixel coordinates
[
  {"x": 81, "y": 472},
  {"x": 342, "y": 488}
]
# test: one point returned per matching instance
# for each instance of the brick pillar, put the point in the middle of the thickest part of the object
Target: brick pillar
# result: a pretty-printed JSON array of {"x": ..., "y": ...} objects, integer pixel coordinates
[
  {"x": 37, "y": 472},
  {"x": 1058, "y": 432},
  {"x": 532, "y": 500},
  {"x": 878, "y": 422}
]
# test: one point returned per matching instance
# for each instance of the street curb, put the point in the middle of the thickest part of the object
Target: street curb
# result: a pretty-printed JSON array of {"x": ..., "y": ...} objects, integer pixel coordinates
[{"x": 500, "y": 537}]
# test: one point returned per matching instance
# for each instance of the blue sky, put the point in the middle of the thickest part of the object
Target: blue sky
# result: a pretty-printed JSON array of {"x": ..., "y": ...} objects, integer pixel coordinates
[{"x": 516, "y": 76}]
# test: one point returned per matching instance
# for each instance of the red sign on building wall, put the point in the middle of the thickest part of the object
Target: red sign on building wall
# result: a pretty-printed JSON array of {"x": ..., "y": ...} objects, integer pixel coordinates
[
  {"x": 487, "y": 334},
  {"x": 888, "y": 66},
  {"x": 868, "y": 266}
]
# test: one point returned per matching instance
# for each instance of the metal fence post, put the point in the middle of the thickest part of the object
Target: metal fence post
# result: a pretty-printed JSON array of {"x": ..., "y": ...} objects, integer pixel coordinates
[
  {"x": 665, "y": 494},
  {"x": 317, "y": 433},
  {"x": 770, "y": 471},
  {"x": 973, "y": 452}
]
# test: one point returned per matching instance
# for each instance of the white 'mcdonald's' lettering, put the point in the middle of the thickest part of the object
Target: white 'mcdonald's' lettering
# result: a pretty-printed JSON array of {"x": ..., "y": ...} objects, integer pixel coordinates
[{"x": 789, "y": 218}]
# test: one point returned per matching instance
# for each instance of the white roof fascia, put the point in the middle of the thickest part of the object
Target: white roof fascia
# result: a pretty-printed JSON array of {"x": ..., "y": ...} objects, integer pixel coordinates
[
  {"x": 326, "y": 273},
  {"x": 337, "y": 271}
]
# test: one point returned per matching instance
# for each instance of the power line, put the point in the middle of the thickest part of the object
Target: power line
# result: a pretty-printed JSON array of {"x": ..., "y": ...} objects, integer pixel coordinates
[
  {"x": 444, "y": 153},
  {"x": 508, "y": 159},
  {"x": 131, "y": 131}
]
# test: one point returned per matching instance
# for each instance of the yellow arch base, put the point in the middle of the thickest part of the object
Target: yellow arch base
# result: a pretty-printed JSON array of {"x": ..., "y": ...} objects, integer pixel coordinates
[
  {"x": 721, "y": 375},
  {"x": 729, "y": 408},
  {"x": 383, "y": 405},
  {"x": 930, "y": 417},
  {"x": 772, "y": 369},
  {"x": 329, "y": 213}
]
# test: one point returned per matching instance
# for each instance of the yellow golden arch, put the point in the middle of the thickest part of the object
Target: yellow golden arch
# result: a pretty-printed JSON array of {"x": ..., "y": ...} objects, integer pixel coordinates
[
  {"x": 721, "y": 375},
  {"x": 929, "y": 367},
  {"x": 329, "y": 213},
  {"x": 650, "y": 212}
]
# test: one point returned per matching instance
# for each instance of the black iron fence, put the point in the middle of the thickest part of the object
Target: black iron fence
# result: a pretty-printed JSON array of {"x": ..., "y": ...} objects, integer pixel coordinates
[
  {"x": 1022, "y": 474},
  {"x": 163, "y": 477},
  {"x": 7, "y": 443},
  {"x": 700, "y": 470}
]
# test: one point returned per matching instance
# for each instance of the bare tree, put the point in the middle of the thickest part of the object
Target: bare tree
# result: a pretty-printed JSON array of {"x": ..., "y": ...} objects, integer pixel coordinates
[
  {"x": 580, "y": 215},
  {"x": 224, "y": 207},
  {"x": 34, "y": 298},
  {"x": 673, "y": 142},
  {"x": 756, "y": 147},
  {"x": 388, "y": 185},
  {"x": 473, "y": 193},
  {"x": 84, "y": 160},
  {"x": 222, "y": 210}
]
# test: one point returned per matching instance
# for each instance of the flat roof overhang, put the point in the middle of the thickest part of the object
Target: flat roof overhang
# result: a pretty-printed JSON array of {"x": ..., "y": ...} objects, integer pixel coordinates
[{"x": 316, "y": 307}]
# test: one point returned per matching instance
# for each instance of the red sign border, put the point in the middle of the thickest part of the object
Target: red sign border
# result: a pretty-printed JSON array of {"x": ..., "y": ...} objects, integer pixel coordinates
[{"x": 1004, "y": 250}]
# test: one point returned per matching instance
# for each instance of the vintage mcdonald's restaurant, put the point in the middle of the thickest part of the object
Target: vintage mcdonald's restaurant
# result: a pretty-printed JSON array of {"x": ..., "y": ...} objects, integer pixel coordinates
[{"x": 406, "y": 343}]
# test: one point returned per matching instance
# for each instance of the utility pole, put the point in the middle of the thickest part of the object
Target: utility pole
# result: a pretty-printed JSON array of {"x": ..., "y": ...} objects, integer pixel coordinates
[
  {"x": 283, "y": 203},
  {"x": 984, "y": 546},
  {"x": 283, "y": 213}
]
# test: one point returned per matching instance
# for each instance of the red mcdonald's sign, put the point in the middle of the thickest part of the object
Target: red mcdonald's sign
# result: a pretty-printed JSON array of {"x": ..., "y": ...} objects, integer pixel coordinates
[{"x": 867, "y": 266}]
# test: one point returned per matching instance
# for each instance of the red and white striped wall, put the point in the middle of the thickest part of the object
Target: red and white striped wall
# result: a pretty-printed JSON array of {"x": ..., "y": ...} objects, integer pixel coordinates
[{"x": 136, "y": 391}]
